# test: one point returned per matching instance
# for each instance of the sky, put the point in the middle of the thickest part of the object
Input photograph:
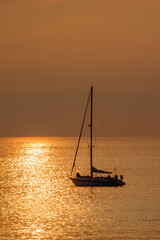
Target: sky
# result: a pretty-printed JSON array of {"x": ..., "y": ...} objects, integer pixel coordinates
[{"x": 52, "y": 51}]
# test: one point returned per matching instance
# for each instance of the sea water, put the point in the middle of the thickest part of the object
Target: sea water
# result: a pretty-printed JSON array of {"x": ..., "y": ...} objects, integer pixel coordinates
[{"x": 39, "y": 201}]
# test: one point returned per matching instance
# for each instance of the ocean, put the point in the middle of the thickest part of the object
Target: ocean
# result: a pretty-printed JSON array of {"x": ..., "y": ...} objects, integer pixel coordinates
[{"x": 39, "y": 201}]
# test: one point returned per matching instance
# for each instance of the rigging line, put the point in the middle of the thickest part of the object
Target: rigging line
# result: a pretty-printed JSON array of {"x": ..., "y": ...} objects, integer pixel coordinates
[
  {"x": 95, "y": 130},
  {"x": 100, "y": 116},
  {"x": 102, "y": 124},
  {"x": 80, "y": 133}
]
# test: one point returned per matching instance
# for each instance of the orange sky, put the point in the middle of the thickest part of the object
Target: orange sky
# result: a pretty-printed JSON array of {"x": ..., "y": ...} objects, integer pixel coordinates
[{"x": 52, "y": 51}]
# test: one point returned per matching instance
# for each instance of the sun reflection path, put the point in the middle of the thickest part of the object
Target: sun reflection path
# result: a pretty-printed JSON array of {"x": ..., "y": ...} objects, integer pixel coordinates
[{"x": 33, "y": 182}]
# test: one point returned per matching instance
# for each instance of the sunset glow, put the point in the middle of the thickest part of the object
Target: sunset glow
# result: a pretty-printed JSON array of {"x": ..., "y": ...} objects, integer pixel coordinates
[{"x": 52, "y": 51}]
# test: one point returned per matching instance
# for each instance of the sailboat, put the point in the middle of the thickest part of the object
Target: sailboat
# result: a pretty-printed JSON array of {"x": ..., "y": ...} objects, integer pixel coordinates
[{"x": 92, "y": 180}]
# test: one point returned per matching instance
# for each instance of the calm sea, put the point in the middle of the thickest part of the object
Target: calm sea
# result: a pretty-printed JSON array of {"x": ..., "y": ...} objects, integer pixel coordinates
[{"x": 38, "y": 200}]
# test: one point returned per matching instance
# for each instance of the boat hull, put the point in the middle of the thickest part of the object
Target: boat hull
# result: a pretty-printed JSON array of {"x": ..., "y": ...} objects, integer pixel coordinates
[{"x": 97, "y": 182}]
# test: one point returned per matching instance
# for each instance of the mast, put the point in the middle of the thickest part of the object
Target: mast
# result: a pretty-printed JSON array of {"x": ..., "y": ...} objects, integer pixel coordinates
[{"x": 91, "y": 129}]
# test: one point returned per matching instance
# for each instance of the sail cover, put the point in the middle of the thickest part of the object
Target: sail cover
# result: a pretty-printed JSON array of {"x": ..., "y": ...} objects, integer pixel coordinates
[{"x": 99, "y": 171}]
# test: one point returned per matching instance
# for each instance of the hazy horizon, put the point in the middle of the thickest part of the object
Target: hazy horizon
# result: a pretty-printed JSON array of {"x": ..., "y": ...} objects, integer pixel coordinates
[{"x": 53, "y": 51}]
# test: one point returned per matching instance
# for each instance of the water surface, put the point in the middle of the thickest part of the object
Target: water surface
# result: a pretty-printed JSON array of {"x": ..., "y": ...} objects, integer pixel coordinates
[{"x": 38, "y": 200}]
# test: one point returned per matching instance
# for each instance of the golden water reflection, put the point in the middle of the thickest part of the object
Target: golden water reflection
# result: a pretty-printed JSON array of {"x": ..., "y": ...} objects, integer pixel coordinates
[{"x": 38, "y": 201}]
